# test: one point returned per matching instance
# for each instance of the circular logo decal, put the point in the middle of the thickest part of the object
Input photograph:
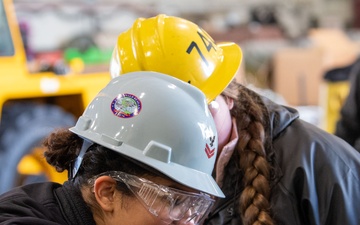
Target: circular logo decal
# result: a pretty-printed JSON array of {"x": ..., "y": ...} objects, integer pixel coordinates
[{"x": 126, "y": 106}]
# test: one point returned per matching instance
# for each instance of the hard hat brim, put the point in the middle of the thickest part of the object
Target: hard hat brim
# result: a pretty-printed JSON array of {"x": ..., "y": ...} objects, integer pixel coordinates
[
  {"x": 189, "y": 177},
  {"x": 225, "y": 73}
]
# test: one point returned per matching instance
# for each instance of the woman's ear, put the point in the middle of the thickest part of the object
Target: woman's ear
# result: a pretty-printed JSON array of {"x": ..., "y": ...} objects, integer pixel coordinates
[
  {"x": 105, "y": 190},
  {"x": 229, "y": 101}
]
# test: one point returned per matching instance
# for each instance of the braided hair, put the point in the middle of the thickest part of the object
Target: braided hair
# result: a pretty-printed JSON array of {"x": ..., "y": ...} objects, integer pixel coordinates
[{"x": 252, "y": 124}]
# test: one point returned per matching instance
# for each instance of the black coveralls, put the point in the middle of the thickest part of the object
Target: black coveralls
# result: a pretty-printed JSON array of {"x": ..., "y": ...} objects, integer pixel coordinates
[
  {"x": 316, "y": 180},
  {"x": 44, "y": 204},
  {"x": 348, "y": 126}
]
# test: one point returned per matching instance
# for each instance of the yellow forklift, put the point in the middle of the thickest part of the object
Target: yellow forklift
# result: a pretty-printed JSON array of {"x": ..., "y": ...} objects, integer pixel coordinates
[{"x": 32, "y": 104}]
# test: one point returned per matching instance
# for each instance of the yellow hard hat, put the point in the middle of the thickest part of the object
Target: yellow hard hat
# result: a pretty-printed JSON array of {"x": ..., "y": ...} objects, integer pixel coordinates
[{"x": 177, "y": 47}]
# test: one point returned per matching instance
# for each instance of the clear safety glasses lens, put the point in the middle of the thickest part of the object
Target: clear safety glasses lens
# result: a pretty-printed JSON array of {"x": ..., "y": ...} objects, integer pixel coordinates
[{"x": 167, "y": 203}]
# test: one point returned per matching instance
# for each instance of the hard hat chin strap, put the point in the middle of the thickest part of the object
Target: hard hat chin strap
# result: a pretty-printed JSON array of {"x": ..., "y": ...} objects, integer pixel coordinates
[{"x": 75, "y": 165}]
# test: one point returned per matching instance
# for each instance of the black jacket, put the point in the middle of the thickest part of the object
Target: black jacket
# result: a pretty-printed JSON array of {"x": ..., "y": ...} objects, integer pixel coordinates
[
  {"x": 316, "y": 178},
  {"x": 44, "y": 204},
  {"x": 348, "y": 126}
]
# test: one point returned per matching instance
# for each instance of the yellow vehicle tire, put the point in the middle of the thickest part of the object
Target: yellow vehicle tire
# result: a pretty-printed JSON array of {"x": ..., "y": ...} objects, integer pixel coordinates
[{"x": 22, "y": 128}]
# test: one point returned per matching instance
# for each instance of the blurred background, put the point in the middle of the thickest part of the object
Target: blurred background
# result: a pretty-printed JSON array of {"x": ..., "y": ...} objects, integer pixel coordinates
[
  {"x": 274, "y": 35},
  {"x": 54, "y": 58}
]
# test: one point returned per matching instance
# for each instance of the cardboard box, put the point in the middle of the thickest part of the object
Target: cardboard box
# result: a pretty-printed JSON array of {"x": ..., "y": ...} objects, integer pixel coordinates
[
  {"x": 338, "y": 50},
  {"x": 297, "y": 75}
]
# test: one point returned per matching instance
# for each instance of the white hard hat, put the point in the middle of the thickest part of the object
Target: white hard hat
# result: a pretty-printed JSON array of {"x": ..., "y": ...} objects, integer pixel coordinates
[{"x": 157, "y": 120}]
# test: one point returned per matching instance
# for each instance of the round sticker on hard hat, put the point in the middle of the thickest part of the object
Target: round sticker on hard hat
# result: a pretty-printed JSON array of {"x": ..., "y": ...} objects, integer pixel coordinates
[{"x": 126, "y": 106}]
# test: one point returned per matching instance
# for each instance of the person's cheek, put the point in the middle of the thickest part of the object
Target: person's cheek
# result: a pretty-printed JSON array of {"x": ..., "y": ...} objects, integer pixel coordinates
[
  {"x": 216, "y": 111},
  {"x": 214, "y": 107},
  {"x": 222, "y": 118}
]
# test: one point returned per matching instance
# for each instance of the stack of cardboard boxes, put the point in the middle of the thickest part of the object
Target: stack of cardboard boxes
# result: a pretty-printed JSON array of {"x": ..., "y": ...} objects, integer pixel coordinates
[{"x": 299, "y": 72}]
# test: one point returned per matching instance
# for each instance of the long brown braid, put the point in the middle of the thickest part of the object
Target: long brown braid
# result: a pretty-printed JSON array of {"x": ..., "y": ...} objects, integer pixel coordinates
[{"x": 252, "y": 122}]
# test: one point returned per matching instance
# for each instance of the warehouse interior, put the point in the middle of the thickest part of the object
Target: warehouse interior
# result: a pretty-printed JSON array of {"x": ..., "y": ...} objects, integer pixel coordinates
[{"x": 274, "y": 36}]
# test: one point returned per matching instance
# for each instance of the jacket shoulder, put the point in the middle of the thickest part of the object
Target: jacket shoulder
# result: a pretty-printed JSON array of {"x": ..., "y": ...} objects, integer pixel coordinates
[{"x": 33, "y": 203}]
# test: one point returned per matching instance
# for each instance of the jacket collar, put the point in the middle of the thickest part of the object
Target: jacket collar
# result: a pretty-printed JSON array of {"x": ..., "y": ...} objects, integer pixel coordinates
[{"x": 280, "y": 116}]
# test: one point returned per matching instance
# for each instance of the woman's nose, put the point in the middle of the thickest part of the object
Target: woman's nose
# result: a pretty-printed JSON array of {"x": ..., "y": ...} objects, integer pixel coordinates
[
  {"x": 185, "y": 222},
  {"x": 188, "y": 219}
]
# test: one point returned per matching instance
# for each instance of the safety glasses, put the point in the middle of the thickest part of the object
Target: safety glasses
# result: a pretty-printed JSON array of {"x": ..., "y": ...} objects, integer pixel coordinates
[{"x": 169, "y": 204}]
